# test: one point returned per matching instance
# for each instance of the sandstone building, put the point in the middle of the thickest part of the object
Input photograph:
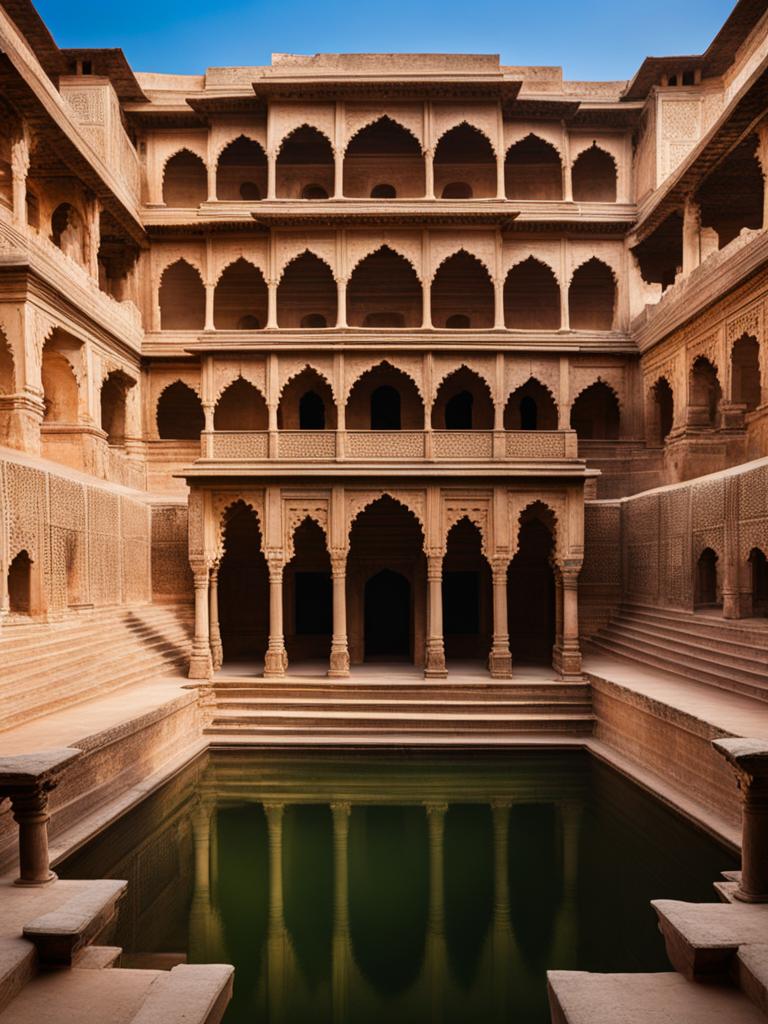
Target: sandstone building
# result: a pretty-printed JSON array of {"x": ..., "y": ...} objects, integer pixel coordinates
[{"x": 353, "y": 361}]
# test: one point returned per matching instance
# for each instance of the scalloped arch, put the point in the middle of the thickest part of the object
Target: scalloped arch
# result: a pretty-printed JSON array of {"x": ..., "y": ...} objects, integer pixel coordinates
[
  {"x": 231, "y": 140},
  {"x": 537, "y": 258},
  {"x": 533, "y": 379},
  {"x": 389, "y": 365},
  {"x": 375, "y": 119},
  {"x": 458, "y": 251},
  {"x": 456, "y": 516},
  {"x": 190, "y": 261},
  {"x": 178, "y": 380},
  {"x": 298, "y": 128},
  {"x": 596, "y": 259},
  {"x": 398, "y": 501},
  {"x": 222, "y": 514},
  {"x": 460, "y": 123},
  {"x": 239, "y": 259},
  {"x": 294, "y": 376},
  {"x": 307, "y": 251},
  {"x": 391, "y": 247},
  {"x": 457, "y": 369},
  {"x": 234, "y": 380},
  {"x": 538, "y": 138},
  {"x": 598, "y": 380},
  {"x": 594, "y": 145},
  {"x": 539, "y": 503},
  {"x": 176, "y": 152}
]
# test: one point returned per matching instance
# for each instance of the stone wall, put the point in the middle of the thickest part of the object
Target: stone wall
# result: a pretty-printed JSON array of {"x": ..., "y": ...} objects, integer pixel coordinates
[{"x": 171, "y": 575}]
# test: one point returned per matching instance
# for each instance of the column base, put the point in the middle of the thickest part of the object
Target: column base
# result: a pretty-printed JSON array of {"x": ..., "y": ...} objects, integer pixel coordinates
[
  {"x": 217, "y": 655},
  {"x": 275, "y": 664},
  {"x": 29, "y": 883},
  {"x": 339, "y": 664},
  {"x": 567, "y": 662},
  {"x": 434, "y": 665},
  {"x": 500, "y": 664},
  {"x": 748, "y": 897},
  {"x": 200, "y": 665}
]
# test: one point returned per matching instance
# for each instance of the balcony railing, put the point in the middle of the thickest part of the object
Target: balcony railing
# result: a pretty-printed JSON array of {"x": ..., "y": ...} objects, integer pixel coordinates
[{"x": 362, "y": 445}]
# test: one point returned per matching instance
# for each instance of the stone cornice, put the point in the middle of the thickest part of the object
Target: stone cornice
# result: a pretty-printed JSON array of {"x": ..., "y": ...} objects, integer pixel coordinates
[
  {"x": 449, "y": 86},
  {"x": 382, "y": 470}
]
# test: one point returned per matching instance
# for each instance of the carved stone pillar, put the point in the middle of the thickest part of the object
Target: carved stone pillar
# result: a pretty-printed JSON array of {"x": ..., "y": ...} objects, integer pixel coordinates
[
  {"x": 731, "y": 583},
  {"x": 426, "y": 304},
  {"x": 272, "y": 305},
  {"x": 500, "y": 183},
  {"x": 691, "y": 236},
  {"x": 208, "y": 413},
  {"x": 498, "y": 303},
  {"x": 339, "y": 665},
  {"x": 271, "y": 174},
  {"x": 429, "y": 174},
  {"x": 436, "y": 825},
  {"x": 762, "y": 156},
  {"x": 434, "y": 667},
  {"x": 567, "y": 658},
  {"x": 200, "y": 665},
  {"x": 749, "y": 761},
  {"x": 338, "y": 173},
  {"x": 276, "y": 659},
  {"x": 341, "y": 302},
  {"x": 500, "y": 658},
  {"x": 19, "y": 171},
  {"x": 211, "y": 169},
  {"x": 210, "y": 289},
  {"x": 341, "y": 946},
  {"x": 217, "y": 651}
]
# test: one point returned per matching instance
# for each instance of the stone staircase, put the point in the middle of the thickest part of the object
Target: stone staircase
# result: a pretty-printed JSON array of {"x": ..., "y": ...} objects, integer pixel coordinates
[
  {"x": 49, "y": 665},
  {"x": 386, "y": 712},
  {"x": 728, "y": 653},
  {"x": 720, "y": 955}
]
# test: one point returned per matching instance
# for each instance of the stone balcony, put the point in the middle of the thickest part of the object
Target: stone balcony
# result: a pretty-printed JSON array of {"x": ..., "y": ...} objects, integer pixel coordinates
[{"x": 476, "y": 452}]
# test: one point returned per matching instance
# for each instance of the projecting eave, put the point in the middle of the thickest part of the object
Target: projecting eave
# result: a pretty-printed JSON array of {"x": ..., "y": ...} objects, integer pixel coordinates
[
  {"x": 212, "y": 472},
  {"x": 382, "y": 87},
  {"x": 389, "y": 213}
]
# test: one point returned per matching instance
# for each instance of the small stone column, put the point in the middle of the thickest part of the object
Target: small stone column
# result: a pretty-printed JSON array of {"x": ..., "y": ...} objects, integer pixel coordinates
[
  {"x": 271, "y": 175},
  {"x": 498, "y": 303},
  {"x": 434, "y": 667},
  {"x": 691, "y": 236},
  {"x": 19, "y": 171},
  {"x": 272, "y": 433},
  {"x": 500, "y": 658},
  {"x": 436, "y": 824},
  {"x": 208, "y": 428},
  {"x": 341, "y": 302},
  {"x": 426, "y": 304},
  {"x": 200, "y": 666},
  {"x": 339, "y": 664},
  {"x": 567, "y": 658},
  {"x": 749, "y": 761},
  {"x": 276, "y": 660},
  {"x": 341, "y": 951},
  {"x": 429, "y": 174},
  {"x": 272, "y": 305},
  {"x": 27, "y": 779},
  {"x": 338, "y": 173},
  {"x": 212, "y": 197},
  {"x": 217, "y": 651},
  {"x": 501, "y": 191},
  {"x": 762, "y": 156},
  {"x": 210, "y": 290}
]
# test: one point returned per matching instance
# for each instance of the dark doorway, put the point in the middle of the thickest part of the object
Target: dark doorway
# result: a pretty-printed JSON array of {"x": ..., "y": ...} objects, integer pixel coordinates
[
  {"x": 311, "y": 412},
  {"x": 531, "y": 596},
  {"x": 529, "y": 413},
  {"x": 385, "y": 408},
  {"x": 705, "y": 589},
  {"x": 20, "y": 584},
  {"x": 243, "y": 587},
  {"x": 458, "y": 412},
  {"x": 759, "y": 572},
  {"x": 313, "y": 604},
  {"x": 387, "y": 616},
  {"x": 307, "y": 583},
  {"x": 467, "y": 594}
]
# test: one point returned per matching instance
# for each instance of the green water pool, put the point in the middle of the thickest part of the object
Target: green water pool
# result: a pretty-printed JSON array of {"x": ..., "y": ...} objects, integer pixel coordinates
[{"x": 398, "y": 888}]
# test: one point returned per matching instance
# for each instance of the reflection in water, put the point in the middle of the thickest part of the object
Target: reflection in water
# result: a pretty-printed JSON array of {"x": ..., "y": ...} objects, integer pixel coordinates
[{"x": 352, "y": 889}]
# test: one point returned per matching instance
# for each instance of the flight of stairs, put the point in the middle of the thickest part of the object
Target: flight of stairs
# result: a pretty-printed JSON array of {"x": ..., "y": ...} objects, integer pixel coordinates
[
  {"x": 393, "y": 711},
  {"x": 49, "y": 665},
  {"x": 729, "y": 653}
]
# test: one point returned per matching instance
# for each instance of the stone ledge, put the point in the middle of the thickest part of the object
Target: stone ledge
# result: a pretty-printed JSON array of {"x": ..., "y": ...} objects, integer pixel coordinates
[
  {"x": 191, "y": 994},
  {"x": 60, "y": 933},
  {"x": 702, "y": 938}
]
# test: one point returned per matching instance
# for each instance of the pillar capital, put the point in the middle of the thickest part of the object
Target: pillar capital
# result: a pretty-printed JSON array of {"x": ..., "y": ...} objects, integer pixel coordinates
[
  {"x": 748, "y": 759},
  {"x": 341, "y": 808}
]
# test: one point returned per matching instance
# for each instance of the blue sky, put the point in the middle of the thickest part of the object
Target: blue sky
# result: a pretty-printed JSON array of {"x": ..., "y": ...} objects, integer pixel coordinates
[{"x": 592, "y": 39}]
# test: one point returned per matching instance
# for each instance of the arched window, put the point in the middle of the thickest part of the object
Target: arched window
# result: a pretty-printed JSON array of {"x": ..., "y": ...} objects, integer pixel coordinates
[
  {"x": 463, "y": 402},
  {"x": 113, "y": 402},
  {"x": 458, "y": 322},
  {"x": 458, "y": 411},
  {"x": 314, "y": 320},
  {"x": 307, "y": 294},
  {"x": 465, "y": 154},
  {"x": 745, "y": 372},
  {"x": 457, "y": 190},
  {"x": 758, "y": 571},
  {"x": 241, "y": 173},
  {"x": 20, "y": 584},
  {"x": 706, "y": 586},
  {"x": 383, "y": 284},
  {"x": 529, "y": 413},
  {"x": 462, "y": 287},
  {"x": 7, "y": 376},
  {"x": 311, "y": 411},
  {"x": 182, "y": 298},
  {"x": 664, "y": 409},
  {"x": 385, "y": 408},
  {"x": 60, "y": 387},
  {"x": 731, "y": 197},
  {"x": 383, "y": 191},
  {"x": 530, "y": 407},
  {"x": 532, "y": 170},
  {"x": 240, "y": 292},
  {"x": 595, "y": 413},
  {"x": 68, "y": 232},
  {"x": 532, "y": 297},
  {"x": 240, "y": 407},
  {"x": 705, "y": 392},
  {"x": 185, "y": 181},
  {"x": 384, "y": 152},
  {"x": 591, "y": 297},
  {"x": 305, "y": 161},
  {"x": 179, "y": 413},
  {"x": 593, "y": 176}
]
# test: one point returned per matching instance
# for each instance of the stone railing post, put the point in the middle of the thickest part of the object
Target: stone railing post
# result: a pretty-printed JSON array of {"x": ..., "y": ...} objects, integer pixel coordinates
[
  {"x": 434, "y": 667},
  {"x": 27, "y": 779},
  {"x": 217, "y": 650},
  {"x": 276, "y": 659},
  {"x": 200, "y": 665},
  {"x": 567, "y": 657},
  {"x": 339, "y": 664},
  {"x": 500, "y": 658},
  {"x": 749, "y": 761}
]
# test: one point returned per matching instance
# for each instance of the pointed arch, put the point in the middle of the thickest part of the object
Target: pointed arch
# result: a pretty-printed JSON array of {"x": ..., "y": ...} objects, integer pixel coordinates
[
  {"x": 531, "y": 584},
  {"x": 594, "y": 176},
  {"x": 185, "y": 180},
  {"x": 745, "y": 372},
  {"x": 465, "y": 154},
  {"x": 532, "y": 297},
  {"x": 463, "y": 401},
  {"x": 241, "y": 170},
  {"x": 19, "y": 582},
  {"x": 179, "y": 413},
  {"x": 533, "y": 170},
  {"x": 181, "y": 298},
  {"x": 532, "y": 406},
  {"x": 383, "y": 151},
  {"x": 241, "y": 406},
  {"x": 395, "y": 499},
  {"x": 305, "y": 158},
  {"x": 705, "y": 394},
  {"x": 61, "y": 387},
  {"x": 113, "y": 400},
  {"x": 370, "y": 407},
  {"x": 307, "y": 295},
  {"x": 298, "y": 411},
  {"x": 7, "y": 366},
  {"x": 243, "y": 584},
  {"x": 595, "y": 413},
  {"x": 462, "y": 287},
  {"x": 592, "y": 296},
  {"x": 240, "y": 299},
  {"x": 467, "y": 592},
  {"x": 384, "y": 291},
  {"x": 663, "y": 409}
]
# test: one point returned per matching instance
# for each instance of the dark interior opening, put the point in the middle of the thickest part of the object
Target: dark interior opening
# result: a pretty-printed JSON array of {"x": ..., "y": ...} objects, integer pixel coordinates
[
  {"x": 385, "y": 408},
  {"x": 531, "y": 596},
  {"x": 387, "y": 612}
]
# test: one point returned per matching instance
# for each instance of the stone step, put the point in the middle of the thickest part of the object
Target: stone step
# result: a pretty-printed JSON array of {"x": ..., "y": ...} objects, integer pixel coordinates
[
  {"x": 727, "y": 639},
  {"x": 256, "y": 705},
  {"x": 710, "y": 654},
  {"x": 748, "y": 631},
  {"x": 59, "y": 934},
  {"x": 17, "y": 967},
  {"x": 702, "y": 939},
  {"x": 32, "y": 634},
  {"x": 97, "y": 958},
  {"x": 362, "y": 724},
  {"x": 381, "y": 739},
  {"x": 577, "y": 997},
  {"x": 418, "y": 690},
  {"x": 752, "y": 974},
  {"x": 668, "y": 663}
]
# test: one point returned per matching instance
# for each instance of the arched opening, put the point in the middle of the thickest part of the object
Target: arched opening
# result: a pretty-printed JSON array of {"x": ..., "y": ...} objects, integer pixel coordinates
[
  {"x": 660, "y": 255},
  {"x": 305, "y": 160},
  {"x": 758, "y": 573},
  {"x": 384, "y": 291},
  {"x": 307, "y": 403},
  {"x": 457, "y": 190},
  {"x": 386, "y": 580},
  {"x": 595, "y": 413},
  {"x": 463, "y": 402},
  {"x": 531, "y": 590},
  {"x": 314, "y": 191},
  {"x": 531, "y": 407},
  {"x": 180, "y": 414},
  {"x": 241, "y": 406},
  {"x": 181, "y": 298},
  {"x": 532, "y": 297},
  {"x": 663, "y": 409},
  {"x": 745, "y": 372},
  {"x": 114, "y": 392},
  {"x": 384, "y": 395},
  {"x": 593, "y": 176},
  {"x": 241, "y": 173},
  {"x": 462, "y": 287},
  {"x": 243, "y": 587},
  {"x": 704, "y": 407},
  {"x": 458, "y": 322},
  {"x": 240, "y": 298},
  {"x": 7, "y": 129},
  {"x": 384, "y": 191},
  {"x": 465, "y": 154},
  {"x": 7, "y": 375},
  {"x": 309, "y": 596},
  {"x": 532, "y": 170},
  {"x": 384, "y": 152},
  {"x": 731, "y": 198},
  {"x": 591, "y": 297},
  {"x": 68, "y": 232},
  {"x": 706, "y": 590},
  {"x": 307, "y": 293},
  {"x": 185, "y": 181},
  {"x": 467, "y": 595},
  {"x": 60, "y": 386},
  {"x": 20, "y": 584}
]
